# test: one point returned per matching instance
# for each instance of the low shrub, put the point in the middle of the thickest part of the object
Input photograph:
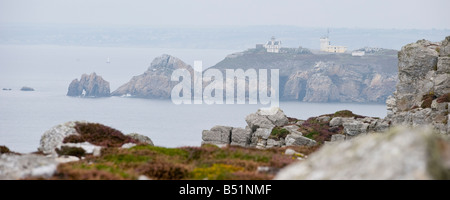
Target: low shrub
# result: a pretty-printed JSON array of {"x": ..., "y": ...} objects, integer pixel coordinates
[
  {"x": 444, "y": 98},
  {"x": 344, "y": 113},
  {"x": 214, "y": 172},
  {"x": 427, "y": 100},
  {"x": 4, "y": 149},
  {"x": 164, "y": 171},
  {"x": 71, "y": 151},
  {"x": 278, "y": 133},
  {"x": 98, "y": 134}
]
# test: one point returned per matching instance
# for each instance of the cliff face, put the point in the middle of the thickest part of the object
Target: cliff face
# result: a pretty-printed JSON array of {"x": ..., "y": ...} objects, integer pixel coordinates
[
  {"x": 92, "y": 85},
  {"x": 155, "y": 82},
  {"x": 330, "y": 82},
  {"x": 325, "y": 77},
  {"x": 423, "y": 91}
]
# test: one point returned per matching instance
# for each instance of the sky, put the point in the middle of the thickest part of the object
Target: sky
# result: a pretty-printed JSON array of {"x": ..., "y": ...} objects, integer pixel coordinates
[{"x": 388, "y": 14}]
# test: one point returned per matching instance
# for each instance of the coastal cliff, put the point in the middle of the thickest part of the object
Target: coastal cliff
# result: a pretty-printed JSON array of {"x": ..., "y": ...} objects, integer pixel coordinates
[{"x": 321, "y": 77}]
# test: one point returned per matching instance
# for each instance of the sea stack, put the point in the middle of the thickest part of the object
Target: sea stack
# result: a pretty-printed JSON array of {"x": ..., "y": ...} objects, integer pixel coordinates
[{"x": 89, "y": 86}]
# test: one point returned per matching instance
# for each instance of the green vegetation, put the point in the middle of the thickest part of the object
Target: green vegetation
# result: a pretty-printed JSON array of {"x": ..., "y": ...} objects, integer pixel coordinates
[
  {"x": 278, "y": 133},
  {"x": 98, "y": 134},
  {"x": 4, "y": 149},
  {"x": 162, "y": 150},
  {"x": 312, "y": 134},
  {"x": 126, "y": 158},
  {"x": 215, "y": 172},
  {"x": 71, "y": 151},
  {"x": 346, "y": 113},
  {"x": 320, "y": 131},
  {"x": 185, "y": 163}
]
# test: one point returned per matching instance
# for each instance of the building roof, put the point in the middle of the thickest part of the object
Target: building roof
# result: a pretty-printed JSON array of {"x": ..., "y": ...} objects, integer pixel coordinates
[{"x": 273, "y": 43}]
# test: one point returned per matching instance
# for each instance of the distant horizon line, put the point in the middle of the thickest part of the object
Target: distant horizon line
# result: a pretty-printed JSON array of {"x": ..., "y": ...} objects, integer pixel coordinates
[{"x": 204, "y": 26}]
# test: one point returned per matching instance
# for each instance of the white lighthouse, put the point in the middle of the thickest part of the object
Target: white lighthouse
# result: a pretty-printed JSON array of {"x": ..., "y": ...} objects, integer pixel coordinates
[{"x": 324, "y": 43}]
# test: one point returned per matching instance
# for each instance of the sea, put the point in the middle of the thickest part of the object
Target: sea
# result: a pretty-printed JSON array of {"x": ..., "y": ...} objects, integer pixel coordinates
[{"x": 49, "y": 69}]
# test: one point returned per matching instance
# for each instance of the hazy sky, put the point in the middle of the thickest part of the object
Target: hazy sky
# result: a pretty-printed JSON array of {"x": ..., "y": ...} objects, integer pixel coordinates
[{"x": 420, "y": 14}]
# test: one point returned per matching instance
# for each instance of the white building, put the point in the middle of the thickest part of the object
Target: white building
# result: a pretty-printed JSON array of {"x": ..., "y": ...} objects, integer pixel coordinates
[
  {"x": 326, "y": 47},
  {"x": 358, "y": 53},
  {"x": 273, "y": 46}
]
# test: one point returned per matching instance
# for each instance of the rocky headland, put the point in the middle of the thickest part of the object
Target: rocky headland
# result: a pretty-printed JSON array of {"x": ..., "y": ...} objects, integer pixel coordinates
[
  {"x": 311, "y": 77},
  {"x": 89, "y": 86}
]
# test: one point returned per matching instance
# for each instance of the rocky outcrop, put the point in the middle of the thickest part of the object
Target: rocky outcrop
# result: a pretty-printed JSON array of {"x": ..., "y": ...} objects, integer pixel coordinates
[
  {"x": 400, "y": 154},
  {"x": 141, "y": 138},
  {"x": 156, "y": 81},
  {"x": 53, "y": 138},
  {"x": 89, "y": 86},
  {"x": 329, "y": 82},
  {"x": 423, "y": 91},
  {"x": 90, "y": 137},
  {"x": 260, "y": 132}
]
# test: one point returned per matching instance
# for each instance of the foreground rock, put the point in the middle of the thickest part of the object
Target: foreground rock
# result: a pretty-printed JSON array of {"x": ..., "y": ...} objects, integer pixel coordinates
[
  {"x": 53, "y": 138},
  {"x": 400, "y": 154},
  {"x": 13, "y": 167},
  {"x": 89, "y": 86},
  {"x": 423, "y": 91},
  {"x": 65, "y": 143},
  {"x": 141, "y": 139},
  {"x": 90, "y": 137},
  {"x": 156, "y": 81}
]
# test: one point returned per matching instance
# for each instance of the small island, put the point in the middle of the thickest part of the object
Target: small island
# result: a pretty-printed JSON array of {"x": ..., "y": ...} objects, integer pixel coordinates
[{"x": 27, "y": 89}]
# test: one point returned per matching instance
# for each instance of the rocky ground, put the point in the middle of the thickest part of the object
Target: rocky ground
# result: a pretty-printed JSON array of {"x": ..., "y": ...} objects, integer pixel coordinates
[{"x": 269, "y": 128}]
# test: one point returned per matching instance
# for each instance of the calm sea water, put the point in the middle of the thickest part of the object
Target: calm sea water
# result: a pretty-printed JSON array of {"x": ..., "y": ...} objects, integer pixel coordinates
[{"x": 25, "y": 116}]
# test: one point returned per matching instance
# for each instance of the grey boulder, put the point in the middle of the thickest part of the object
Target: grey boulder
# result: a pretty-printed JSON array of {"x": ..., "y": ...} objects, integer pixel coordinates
[
  {"x": 141, "y": 138},
  {"x": 400, "y": 154},
  {"x": 53, "y": 138},
  {"x": 219, "y": 135}
]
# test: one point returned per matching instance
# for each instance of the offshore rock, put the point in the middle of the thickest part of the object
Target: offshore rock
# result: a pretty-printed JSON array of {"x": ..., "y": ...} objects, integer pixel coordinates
[
  {"x": 156, "y": 81},
  {"x": 89, "y": 86}
]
